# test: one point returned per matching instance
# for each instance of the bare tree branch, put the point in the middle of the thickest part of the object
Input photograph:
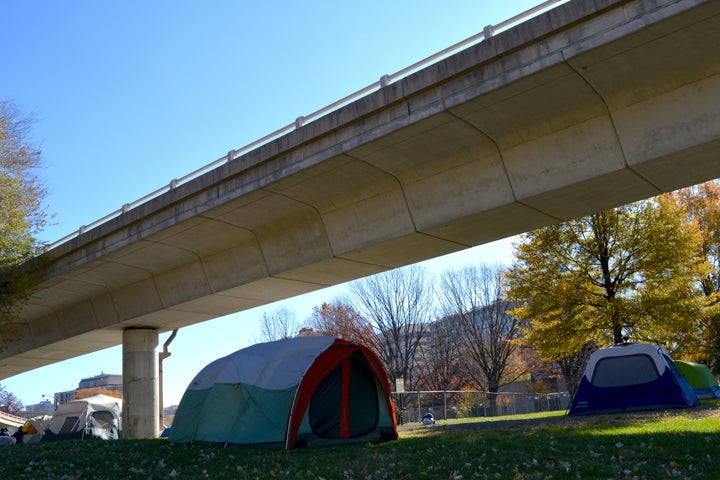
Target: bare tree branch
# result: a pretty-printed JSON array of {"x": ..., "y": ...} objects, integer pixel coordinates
[
  {"x": 277, "y": 325},
  {"x": 473, "y": 298},
  {"x": 399, "y": 305}
]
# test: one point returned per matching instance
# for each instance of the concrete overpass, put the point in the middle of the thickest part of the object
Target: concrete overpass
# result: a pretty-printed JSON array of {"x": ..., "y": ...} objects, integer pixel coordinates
[{"x": 591, "y": 105}]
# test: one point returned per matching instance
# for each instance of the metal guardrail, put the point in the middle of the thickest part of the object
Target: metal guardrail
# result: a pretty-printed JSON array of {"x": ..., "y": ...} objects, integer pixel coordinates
[{"x": 385, "y": 80}]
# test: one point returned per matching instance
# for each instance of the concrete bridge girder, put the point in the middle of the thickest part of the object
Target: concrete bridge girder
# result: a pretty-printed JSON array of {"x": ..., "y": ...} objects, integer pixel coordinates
[
  {"x": 363, "y": 187},
  {"x": 590, "y": 106}
]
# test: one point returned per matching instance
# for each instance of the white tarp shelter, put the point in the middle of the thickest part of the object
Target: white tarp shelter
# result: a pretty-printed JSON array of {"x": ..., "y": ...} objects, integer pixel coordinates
[{"x": 92, "y": 417}]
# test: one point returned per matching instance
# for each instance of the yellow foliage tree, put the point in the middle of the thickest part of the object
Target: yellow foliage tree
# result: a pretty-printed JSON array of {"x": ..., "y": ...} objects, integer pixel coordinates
[
  {"x": 625, "y": 273},
  {"x": 22, "y": 213},
  {"x": 701, "y": 204}
]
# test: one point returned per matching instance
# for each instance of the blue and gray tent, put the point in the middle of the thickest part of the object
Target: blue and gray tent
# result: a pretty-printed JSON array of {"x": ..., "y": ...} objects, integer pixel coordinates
[{"x": 631, "y": 376}]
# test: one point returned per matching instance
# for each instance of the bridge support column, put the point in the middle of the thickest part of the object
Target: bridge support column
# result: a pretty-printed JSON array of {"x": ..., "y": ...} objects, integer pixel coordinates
[{"x": 141, "y": 386}]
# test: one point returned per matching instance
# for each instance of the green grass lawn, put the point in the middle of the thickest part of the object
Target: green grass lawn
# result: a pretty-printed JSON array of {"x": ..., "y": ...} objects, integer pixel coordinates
[{"x": 653, "y": 445}]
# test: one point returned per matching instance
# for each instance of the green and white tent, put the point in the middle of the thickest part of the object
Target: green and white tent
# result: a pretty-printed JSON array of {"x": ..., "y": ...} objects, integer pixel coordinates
[
  {"x": 700, "y": 379},
  {"x": 301, "y": 391}
]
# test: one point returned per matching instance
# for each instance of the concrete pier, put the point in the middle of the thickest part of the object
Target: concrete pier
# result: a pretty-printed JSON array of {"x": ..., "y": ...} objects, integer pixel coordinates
[{"x": 141, "y": 386}]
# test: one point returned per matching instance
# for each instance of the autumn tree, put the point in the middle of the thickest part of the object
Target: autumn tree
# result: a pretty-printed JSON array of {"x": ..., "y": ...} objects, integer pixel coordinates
[
  {"x": 473, "y": 298},
  {"x": 340, "y": 319},
  {"x": 622, "y": 273},
  {"x": 701, "y": 204},
  {"x": 9, "y": 403},
  {"x": 398, "y": 305},
  {"x": 279, "y": 324},
  {"x": 22, "y": 213},
  {"x": 542, "y": 375}
]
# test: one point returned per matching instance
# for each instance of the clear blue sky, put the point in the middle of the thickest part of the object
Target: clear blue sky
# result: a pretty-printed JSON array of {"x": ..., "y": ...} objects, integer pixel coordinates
[{"x": 131, "y": 94}]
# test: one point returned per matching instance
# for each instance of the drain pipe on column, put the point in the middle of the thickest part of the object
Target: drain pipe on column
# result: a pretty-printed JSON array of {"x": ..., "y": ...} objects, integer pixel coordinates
[{"x": 162, "y": 356}]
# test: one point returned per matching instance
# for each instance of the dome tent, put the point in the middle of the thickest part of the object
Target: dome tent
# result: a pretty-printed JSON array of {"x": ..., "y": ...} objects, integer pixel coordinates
[
  {"x": 700, "y": 379},
  {"x": 631, "y": 376},
  {"x": 302, "y": 391}
]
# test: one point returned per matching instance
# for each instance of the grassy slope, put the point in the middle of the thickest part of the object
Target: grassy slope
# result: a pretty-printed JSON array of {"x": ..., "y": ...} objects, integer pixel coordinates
[{"x": 676, "y": 444}]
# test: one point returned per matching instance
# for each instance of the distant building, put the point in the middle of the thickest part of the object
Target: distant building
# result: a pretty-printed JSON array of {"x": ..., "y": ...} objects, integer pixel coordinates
[
  {"x": 46, "y": 407},
  {"x": 104, "y": 381},
  {"x": 64, "y": 397},
  {"x": 167, "y": 411}
]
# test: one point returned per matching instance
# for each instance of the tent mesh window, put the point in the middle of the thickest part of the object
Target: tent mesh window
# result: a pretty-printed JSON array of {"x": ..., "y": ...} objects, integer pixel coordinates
[
  {"x": 362, "y": 402},
  {"x": 68, "y": 426},
  {"x": 623, "y": 371},
  {"x": 102, "y": 419}
]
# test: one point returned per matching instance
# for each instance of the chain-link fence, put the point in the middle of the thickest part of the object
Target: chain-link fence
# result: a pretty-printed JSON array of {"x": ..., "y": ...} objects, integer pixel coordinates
[{"x": 411, "y": 406}]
